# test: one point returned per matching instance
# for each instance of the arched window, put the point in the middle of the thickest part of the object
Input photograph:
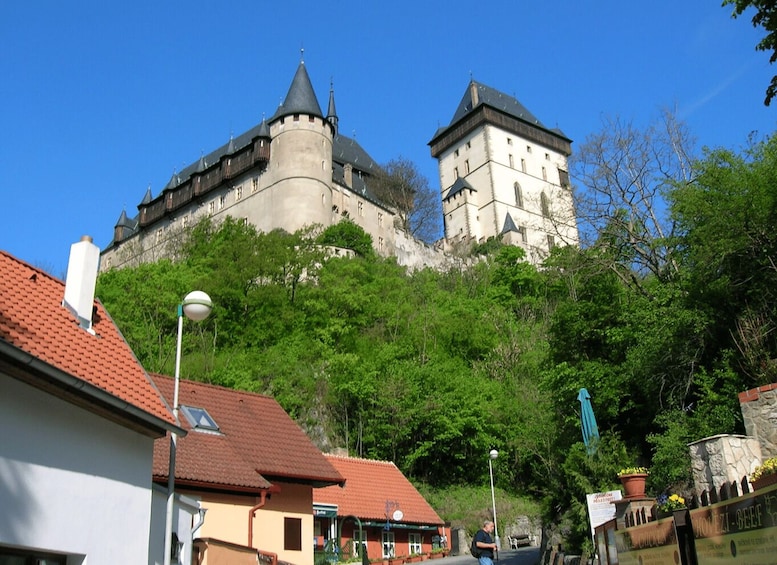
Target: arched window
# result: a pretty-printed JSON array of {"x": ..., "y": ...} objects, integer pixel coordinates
[
  {"x": 544, "y": 205},
  {"x": 518, "y": 195}
]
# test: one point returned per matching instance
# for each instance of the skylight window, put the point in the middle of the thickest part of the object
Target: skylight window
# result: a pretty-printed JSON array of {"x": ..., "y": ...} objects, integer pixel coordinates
[{"x": 199, "y": 419}]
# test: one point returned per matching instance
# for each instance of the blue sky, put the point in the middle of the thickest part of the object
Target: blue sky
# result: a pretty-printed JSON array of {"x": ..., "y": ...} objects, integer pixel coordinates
[{"x": 102, "y": 99}]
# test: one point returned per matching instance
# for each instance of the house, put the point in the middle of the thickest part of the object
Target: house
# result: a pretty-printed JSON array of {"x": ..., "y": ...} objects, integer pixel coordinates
[
  {"x": 251, "y": 468},
  {"x": 79, "y": 416},
  {"x": 378, "y": 506}
]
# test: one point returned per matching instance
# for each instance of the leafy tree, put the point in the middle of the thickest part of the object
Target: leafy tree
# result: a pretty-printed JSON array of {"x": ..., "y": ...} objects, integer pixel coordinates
[
  {"x": 347, "y": 234},
  {"x": 766, "y": 17}
]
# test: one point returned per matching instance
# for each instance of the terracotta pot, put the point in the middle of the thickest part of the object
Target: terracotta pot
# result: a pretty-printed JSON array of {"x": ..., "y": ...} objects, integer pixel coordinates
[
  {"x": 436, "y": 555},
  {"x": 634, "y": 485}
]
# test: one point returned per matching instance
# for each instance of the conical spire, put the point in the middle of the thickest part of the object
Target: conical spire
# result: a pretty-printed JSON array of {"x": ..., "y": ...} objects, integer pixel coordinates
[
  {"x": 147, "y": 197},
  {"x": 331, "y": 113},
  {"x": 301, "y": 99}
]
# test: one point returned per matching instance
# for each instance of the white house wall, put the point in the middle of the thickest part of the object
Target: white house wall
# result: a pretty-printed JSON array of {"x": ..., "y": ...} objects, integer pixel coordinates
[{"x": 71, "y": 482}]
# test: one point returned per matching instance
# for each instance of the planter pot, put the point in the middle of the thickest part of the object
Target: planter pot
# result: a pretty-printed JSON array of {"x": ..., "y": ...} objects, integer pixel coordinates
[
  {"x": 634, "y": 485},
  {"x": 764, "y": 481},
  {"x": 436, "y": 555}
]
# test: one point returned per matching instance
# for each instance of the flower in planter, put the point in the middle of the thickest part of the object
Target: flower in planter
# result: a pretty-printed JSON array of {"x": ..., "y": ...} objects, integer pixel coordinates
[
  {"x": 670, "y": 503},
  {"x": 768, "y": 467},
  {"x": 633, "y": 471}
]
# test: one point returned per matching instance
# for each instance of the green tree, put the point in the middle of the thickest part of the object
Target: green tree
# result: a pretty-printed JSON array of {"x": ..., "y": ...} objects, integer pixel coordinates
[{"x": 766, "y": 17}]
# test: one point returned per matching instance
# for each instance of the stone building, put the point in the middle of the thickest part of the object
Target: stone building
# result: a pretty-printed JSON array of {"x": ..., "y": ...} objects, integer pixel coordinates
[{"x": 502, "y": 172}]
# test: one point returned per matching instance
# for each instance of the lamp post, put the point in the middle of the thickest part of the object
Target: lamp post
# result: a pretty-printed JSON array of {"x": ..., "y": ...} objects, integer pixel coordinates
[
  {"x": 493, "y": 454},
  {"x": 196, "y": 306}
]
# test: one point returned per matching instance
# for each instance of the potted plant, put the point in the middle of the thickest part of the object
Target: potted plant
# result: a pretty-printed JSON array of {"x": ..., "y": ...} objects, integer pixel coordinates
[
  {"x": 765, "y": 474},
  {"x": 666, "y": 504},
  {"x": 633, "y": 481}
]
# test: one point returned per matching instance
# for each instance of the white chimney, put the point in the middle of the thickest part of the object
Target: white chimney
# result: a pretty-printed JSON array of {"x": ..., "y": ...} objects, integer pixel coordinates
[{"x": 81, "y": 280}]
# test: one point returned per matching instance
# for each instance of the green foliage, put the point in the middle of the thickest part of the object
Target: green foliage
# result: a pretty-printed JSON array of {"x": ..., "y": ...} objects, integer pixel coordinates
[
  {"x": 347, "y": 234},
  {"x": 433, "y": 369},
  {"x": 765, "y": 17}
]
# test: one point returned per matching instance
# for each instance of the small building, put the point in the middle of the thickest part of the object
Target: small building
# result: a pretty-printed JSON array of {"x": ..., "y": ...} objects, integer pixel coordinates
[
  {"x": 251, "y": 469},
  {"x": 79, "y": 416},
  {"x": 378, "y": 507}
]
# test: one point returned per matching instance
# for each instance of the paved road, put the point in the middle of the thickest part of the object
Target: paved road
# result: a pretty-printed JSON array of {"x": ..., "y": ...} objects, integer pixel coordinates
[{"x": 523, "y": 556}]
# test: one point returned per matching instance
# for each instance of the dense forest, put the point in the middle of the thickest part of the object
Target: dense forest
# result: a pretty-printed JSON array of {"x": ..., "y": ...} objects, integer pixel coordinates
[{"x": 663, "y": 313}]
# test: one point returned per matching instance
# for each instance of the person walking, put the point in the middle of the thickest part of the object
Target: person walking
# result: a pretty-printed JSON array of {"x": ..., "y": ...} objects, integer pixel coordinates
[{"x": 486, "y": 546}]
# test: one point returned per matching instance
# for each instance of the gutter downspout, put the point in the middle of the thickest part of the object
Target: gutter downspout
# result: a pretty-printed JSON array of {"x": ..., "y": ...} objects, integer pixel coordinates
[{"x": 262, "y": 501}]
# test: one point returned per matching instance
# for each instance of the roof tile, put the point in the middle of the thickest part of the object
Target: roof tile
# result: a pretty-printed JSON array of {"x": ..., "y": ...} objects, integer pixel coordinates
[
  {"x": 33, "y": 319},
  {"x": 258, "y": 443},
  {"x": 370, "y": 488}
]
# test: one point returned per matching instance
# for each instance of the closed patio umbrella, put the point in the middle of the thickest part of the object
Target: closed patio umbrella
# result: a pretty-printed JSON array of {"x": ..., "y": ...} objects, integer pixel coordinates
[{"x": 588, "y": 421}]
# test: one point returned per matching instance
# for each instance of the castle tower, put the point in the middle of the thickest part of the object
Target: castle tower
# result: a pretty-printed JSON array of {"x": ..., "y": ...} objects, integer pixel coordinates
[
  {"x": 504, "y": 174},
  {"x": 299, "y": 176}
]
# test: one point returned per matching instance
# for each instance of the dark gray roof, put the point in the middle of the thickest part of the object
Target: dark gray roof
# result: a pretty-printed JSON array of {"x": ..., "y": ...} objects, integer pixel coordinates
[
  {"x": 458, "y": 186},
  {"x": 301, "y": 99},
  {"x": 496, "y": 99},
  {"x": 487, "y": 96},
  {"x": 509, "y": 225},
  {"x": 347, "y": 150}
]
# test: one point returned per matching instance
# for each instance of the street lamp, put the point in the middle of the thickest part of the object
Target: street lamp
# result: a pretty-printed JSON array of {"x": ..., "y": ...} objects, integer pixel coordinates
[
  {"x": 493, "y": 454},
  {"x": 196, "y": 306}
]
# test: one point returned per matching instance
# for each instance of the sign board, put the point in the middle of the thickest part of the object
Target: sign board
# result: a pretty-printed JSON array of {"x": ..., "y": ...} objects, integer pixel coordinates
[
  {"x": 741, "y": 530},
  {"x": 601, "y": 507}
]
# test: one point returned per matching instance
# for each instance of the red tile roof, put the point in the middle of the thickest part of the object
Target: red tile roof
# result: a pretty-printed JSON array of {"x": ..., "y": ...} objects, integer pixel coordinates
[
  {"x": 33, "y": 320},
  {"x": 371, "y": 487},
  {"x": 258, "y": 443}
]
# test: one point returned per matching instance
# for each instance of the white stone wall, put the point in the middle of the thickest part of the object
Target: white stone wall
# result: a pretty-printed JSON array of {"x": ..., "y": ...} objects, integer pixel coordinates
[
  {"x": 722, "y": 459},
  {"x": 70, "y": 481}
]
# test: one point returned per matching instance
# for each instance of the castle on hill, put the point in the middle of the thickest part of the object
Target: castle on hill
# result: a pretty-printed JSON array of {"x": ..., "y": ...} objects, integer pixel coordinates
[{"x": 502, "y": 174}]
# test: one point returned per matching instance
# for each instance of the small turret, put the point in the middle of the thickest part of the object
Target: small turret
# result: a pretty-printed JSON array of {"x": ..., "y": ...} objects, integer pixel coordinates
[{"x": 331, "y": 114}]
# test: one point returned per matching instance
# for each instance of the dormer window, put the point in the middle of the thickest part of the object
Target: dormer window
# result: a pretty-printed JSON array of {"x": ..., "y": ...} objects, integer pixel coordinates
[{"x": 199, "y": 419}]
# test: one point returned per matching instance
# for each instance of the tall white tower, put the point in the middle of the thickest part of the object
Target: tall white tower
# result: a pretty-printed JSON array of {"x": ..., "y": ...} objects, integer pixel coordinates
[{"x": 504, "y": 174}]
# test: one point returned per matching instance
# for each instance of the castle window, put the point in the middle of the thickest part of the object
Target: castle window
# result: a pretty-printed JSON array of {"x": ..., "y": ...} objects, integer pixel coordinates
[
  {"x": 551, "y": 242},
  {"x": 469, "y": 145},
  {"x": 544, "y": 206},
  {"x": 456, "y": 153},
  {"x": 466, "y": 167},
  {"x": 380, "y": 244},
  {"x": 456, "y": 172},
  {"x": 547, "y": 156},
  {"x": 518, "y": 195},
  {"x": 361, "y": 208},
  {"x": 211, "y": 207},
  {"x": 544, "y": 174},
  {"x": 185, "y": 221},
  {"x": 254, "y": 185},
  {"x": 510, "y": 158},
  {"x": 380, "y": 218},
  {"x": 523, "y": 165},
  {"x": 222, "y": 201},
  {"x": 509, "y": 141},
  {"x": 296, "y": 117},
  {"x": 283, "y": 120},
  {"x": 244, "y": 221},
  {"x": 238, "y": 193},
  {"x": 522, "y": 233},
  {"x": 528, "y": 148},
  {"x": 311, "y": 119},
  {"x": 159, "y": 234},
  {"x": 563, "y": 177}
]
